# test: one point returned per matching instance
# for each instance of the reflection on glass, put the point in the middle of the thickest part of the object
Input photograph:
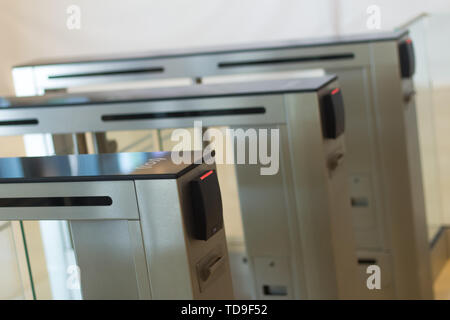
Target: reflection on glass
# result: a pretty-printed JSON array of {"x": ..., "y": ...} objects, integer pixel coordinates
[
  {"x": 11, "y": 282},
  {"x": 438, "y": 26},
  {"x": 14, "y": 278},
  {"x": 51, "y": 260}
]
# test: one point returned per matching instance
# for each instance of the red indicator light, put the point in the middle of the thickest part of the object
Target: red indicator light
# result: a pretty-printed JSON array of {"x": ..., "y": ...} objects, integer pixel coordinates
[
  {"x": 206, "y": 175},
  {"x": 335, "y": 91},
  {"x": 408, "y": 41}
]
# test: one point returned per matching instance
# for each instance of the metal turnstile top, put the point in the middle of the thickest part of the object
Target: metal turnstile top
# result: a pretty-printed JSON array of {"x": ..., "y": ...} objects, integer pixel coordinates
[
  {"x": 92, "y": 167},
  {"x": 225, "y": 49},
  {"x": 183, "y": 92},
  {"x": 38, "y": 77}
]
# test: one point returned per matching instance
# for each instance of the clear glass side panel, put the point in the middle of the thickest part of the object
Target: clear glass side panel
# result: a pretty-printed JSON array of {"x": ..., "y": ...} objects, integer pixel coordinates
[
  {"x": 52, "y": 266},
  {"x": 438, "y": 26},
  {"x": 14, "y": 280},
  {"x": 11, "y": 282},
  {"x": 426, "y": 117}
]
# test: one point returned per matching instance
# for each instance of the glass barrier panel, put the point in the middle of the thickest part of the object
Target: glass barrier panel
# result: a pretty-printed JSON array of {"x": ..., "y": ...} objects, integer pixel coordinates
[
  {"x": 437, "y": 27},
  {"x": 51, "y": 259},
  {"x": 11, "y": 278},
  {"x": 420, "y": 32},
  {"x": 14, "y": 277}
]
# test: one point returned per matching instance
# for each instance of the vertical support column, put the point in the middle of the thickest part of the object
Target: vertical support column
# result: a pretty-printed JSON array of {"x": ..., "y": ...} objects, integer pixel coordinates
[
  {"x": 403, "y": 192},
  {"x": 322, "y": 202},
  {"x": 105, "y": 255},
  {"x": 270, "y": 226}
]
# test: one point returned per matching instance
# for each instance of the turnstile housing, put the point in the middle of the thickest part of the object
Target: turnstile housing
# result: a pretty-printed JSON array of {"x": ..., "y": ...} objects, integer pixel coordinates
[
  {"x": 297, "y": 223},
  {"x": 131, "y": 218},
  {"x": 384, "y": 167}
]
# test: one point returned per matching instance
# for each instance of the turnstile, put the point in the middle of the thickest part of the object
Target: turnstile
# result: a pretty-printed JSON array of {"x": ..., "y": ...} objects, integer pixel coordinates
[
  {"x": 133, "y": 219},
  {"x": 375, "y": 72},
  {"x": 296, "y": 218}
]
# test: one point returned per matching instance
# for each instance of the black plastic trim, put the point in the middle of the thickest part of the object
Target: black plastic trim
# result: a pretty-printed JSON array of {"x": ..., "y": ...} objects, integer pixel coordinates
[
  {"x": 90, "y": 201},
  {"x": 367, "y": 261},
  {"x": 19, "y": 122},
  {"x": 182, "y": 114},
  {"x": 107, "y": 73},
  {"x": 234, "y": 64}
]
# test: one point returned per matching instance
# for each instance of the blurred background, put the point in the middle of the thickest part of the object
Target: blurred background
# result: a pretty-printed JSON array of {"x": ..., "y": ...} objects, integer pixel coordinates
[{"x": 32, "y": 30}]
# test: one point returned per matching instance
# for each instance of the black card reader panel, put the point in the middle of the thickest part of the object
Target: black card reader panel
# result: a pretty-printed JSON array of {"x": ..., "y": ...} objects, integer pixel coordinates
[
  {"x": 207, "y": 205},
  {"x": 407, "y": 58},
  {"x": 333, "y": 115}
]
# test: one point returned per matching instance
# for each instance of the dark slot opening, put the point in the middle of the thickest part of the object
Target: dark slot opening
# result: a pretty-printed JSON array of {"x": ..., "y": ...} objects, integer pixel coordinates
[
  {"x": 108, "y": 73},
  {"x": 275, "y": 290},
  {"x": 183, "y": 114},
  {"x": 367, "y": 261},
  {"x": 19, "y": 122},
  {"x": 55, "y": 202},
  {"x": 233, "y": 64},
  {"x": 359, "y": 202}
]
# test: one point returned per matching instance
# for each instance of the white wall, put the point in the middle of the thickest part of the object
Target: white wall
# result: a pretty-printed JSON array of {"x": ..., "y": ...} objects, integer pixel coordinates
[
  {"x": 114, "y": 26},
  {"x": 37, "y": 29}
]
